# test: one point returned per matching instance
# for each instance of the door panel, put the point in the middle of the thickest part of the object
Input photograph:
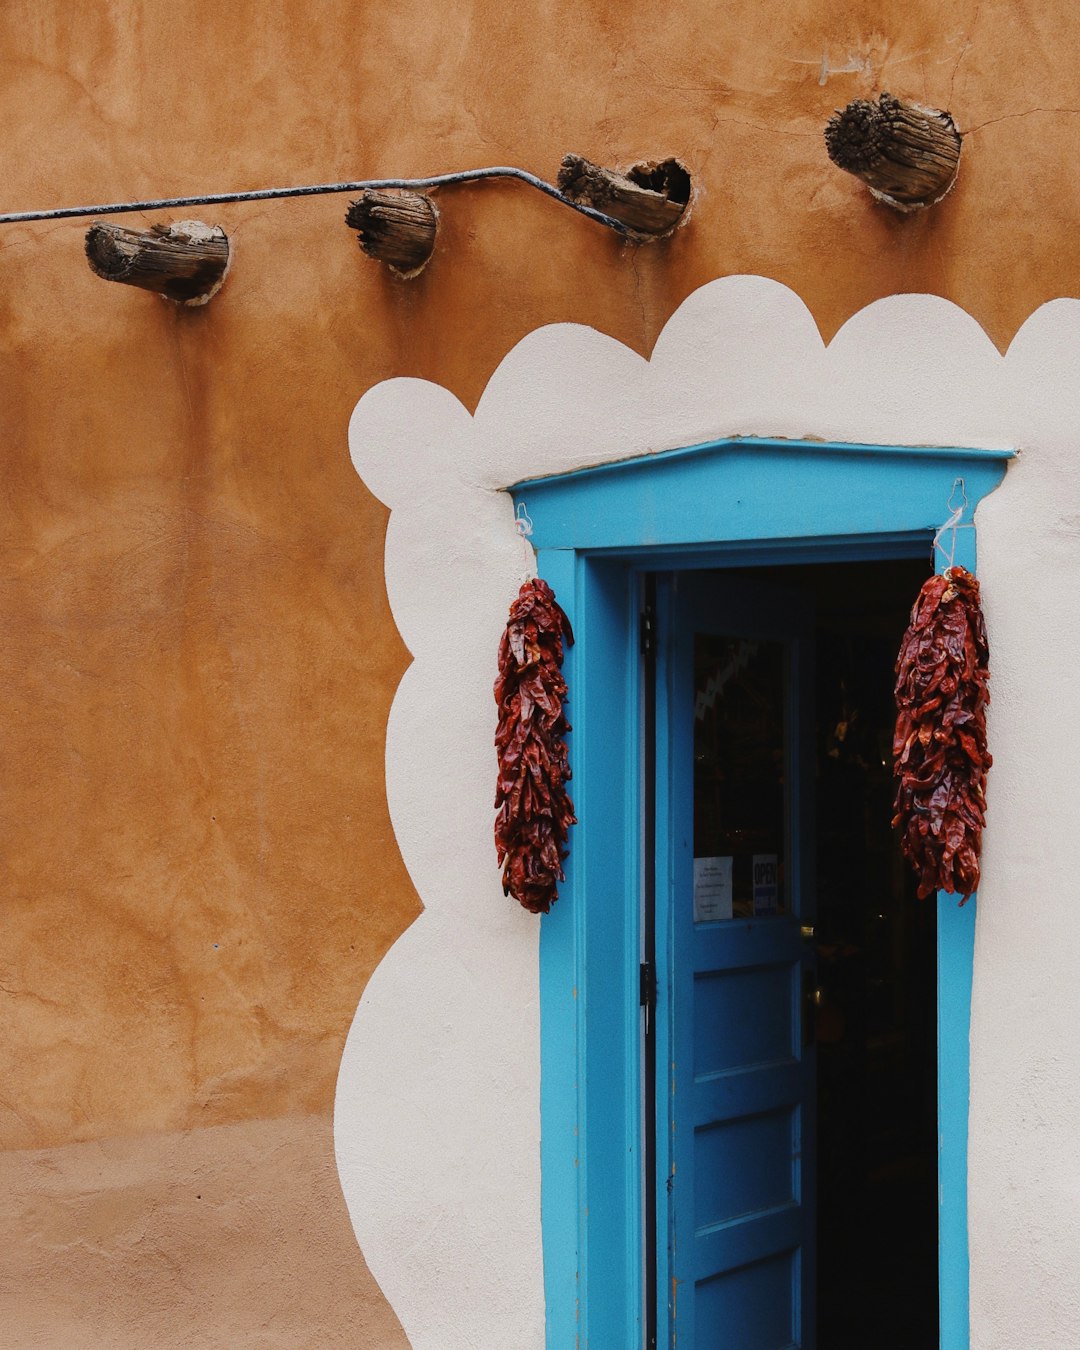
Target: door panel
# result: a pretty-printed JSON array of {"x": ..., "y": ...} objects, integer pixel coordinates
[
  {"x": 720, "y": 1000},
  {"x": 758, "y": 1297},
  {"x": 735, "y": 1109}
]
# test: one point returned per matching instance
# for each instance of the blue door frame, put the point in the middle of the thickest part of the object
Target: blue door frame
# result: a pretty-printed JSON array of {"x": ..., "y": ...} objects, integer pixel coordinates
[{"x": 597, "y": 533}]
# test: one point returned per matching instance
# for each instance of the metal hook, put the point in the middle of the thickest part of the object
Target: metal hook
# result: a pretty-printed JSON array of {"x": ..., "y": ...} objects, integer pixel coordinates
[
  {"x": 953, "y": 522},
  {"x": 523, "y": 521}
]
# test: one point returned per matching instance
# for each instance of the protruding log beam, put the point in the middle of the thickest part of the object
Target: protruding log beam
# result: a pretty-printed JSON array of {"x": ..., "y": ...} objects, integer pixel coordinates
[
  {"x": 906, "y": 154},
  {"x": 650, "y": 198},
  {"x": 398, "y": 228},
  {"x": 185, "y": 261}
]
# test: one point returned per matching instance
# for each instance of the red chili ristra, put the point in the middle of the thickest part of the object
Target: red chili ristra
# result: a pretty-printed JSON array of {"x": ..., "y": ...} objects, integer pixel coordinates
[
  {"x": 533, "y": 810},
  {"x": 939, "y": 748}
]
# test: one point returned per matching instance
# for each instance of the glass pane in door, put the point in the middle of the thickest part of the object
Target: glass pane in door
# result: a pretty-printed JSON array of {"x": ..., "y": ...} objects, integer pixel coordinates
[{"x": 740, "y": 808}]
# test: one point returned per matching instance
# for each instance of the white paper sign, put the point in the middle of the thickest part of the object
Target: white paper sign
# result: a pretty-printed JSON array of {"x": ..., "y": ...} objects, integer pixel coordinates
[
  {"x": 712, "y": 889},
  {"x": 766, "y": 883}
]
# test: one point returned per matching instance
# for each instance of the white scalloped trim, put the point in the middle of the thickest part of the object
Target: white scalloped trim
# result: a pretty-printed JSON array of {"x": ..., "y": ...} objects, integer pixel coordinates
[{"x": 437, "y": 1113}]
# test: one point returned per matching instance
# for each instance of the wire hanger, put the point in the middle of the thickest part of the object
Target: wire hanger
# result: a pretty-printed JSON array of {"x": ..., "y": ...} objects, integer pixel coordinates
[{"x": 956, "y": 510}]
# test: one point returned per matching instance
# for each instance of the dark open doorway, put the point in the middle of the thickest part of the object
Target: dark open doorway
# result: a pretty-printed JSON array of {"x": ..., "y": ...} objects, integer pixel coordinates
[
  {"x": 877, "y": 961},
  {"x": 873, "y": 1221}
]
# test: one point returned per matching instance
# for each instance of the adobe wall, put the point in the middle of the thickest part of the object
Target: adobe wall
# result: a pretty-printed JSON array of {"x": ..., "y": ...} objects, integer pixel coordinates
[{"x": 199, "y": 657}]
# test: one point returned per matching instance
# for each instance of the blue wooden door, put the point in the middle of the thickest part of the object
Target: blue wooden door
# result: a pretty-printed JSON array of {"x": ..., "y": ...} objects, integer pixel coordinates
[{"x": 735, "y": 957}]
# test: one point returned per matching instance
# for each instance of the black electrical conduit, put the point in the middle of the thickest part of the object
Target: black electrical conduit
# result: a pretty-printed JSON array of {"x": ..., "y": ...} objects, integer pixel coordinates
[{"x": 318, "y": 190}]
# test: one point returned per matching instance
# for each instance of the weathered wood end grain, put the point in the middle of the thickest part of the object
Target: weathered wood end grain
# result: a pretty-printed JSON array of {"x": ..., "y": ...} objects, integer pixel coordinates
[
  {"x": 908, "y": 155},
  {"x": 649, "y": 198},
  {"x": 398, "y": 228},
  {"x": 185, "y": 261}
]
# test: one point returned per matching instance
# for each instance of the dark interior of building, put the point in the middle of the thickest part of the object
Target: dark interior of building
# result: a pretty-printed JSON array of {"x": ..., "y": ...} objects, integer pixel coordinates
[
  {"x": 876, "y": 1021},
  {"x": 875, "y": 1018}
]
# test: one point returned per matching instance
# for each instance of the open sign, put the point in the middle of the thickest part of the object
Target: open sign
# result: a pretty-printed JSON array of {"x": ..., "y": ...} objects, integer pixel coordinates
[{"x": 766, "y": 883}]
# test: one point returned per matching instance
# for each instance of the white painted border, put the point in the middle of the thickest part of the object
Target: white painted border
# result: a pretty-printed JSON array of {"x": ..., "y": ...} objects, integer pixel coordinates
[{"x": 437, "y": 1112}]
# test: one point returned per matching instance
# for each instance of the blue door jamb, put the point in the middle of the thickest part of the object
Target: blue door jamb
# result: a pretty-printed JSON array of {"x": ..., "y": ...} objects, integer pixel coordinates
[
  {"x": 597, "y": 531},
  {"x": 956, "y": 955}
]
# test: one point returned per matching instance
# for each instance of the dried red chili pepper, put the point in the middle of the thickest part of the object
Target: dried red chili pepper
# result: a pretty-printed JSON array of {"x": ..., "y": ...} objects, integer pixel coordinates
[
  {"x": 533, "y": 810},
  {"x": 939, "y": 747}
]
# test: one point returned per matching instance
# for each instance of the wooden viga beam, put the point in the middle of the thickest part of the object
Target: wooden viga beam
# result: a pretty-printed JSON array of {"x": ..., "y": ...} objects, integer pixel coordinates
[
  {"x": 906, "y": 154},
  {"x": 398, "y": 228},
  {"x": 649, "y": 198},
  {"x": 185, "y": 261}
]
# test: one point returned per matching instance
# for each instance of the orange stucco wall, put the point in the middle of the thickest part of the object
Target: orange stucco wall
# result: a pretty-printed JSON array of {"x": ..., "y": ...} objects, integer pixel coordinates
[{"x": 197, "y": 654}]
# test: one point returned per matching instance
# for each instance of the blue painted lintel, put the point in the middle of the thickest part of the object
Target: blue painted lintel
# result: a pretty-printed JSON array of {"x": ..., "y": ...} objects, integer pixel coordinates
[{"x": 743, "y": 489}]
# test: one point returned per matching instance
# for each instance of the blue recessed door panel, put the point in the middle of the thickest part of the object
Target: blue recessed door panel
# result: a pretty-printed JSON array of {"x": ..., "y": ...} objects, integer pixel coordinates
[{"x": 736, "y": 1064}]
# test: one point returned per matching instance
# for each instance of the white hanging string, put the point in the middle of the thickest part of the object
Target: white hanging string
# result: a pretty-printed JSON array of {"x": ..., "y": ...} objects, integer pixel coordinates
[
  {"x": 953, "y": 522},
  {"x": 524, "y": 526}
]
